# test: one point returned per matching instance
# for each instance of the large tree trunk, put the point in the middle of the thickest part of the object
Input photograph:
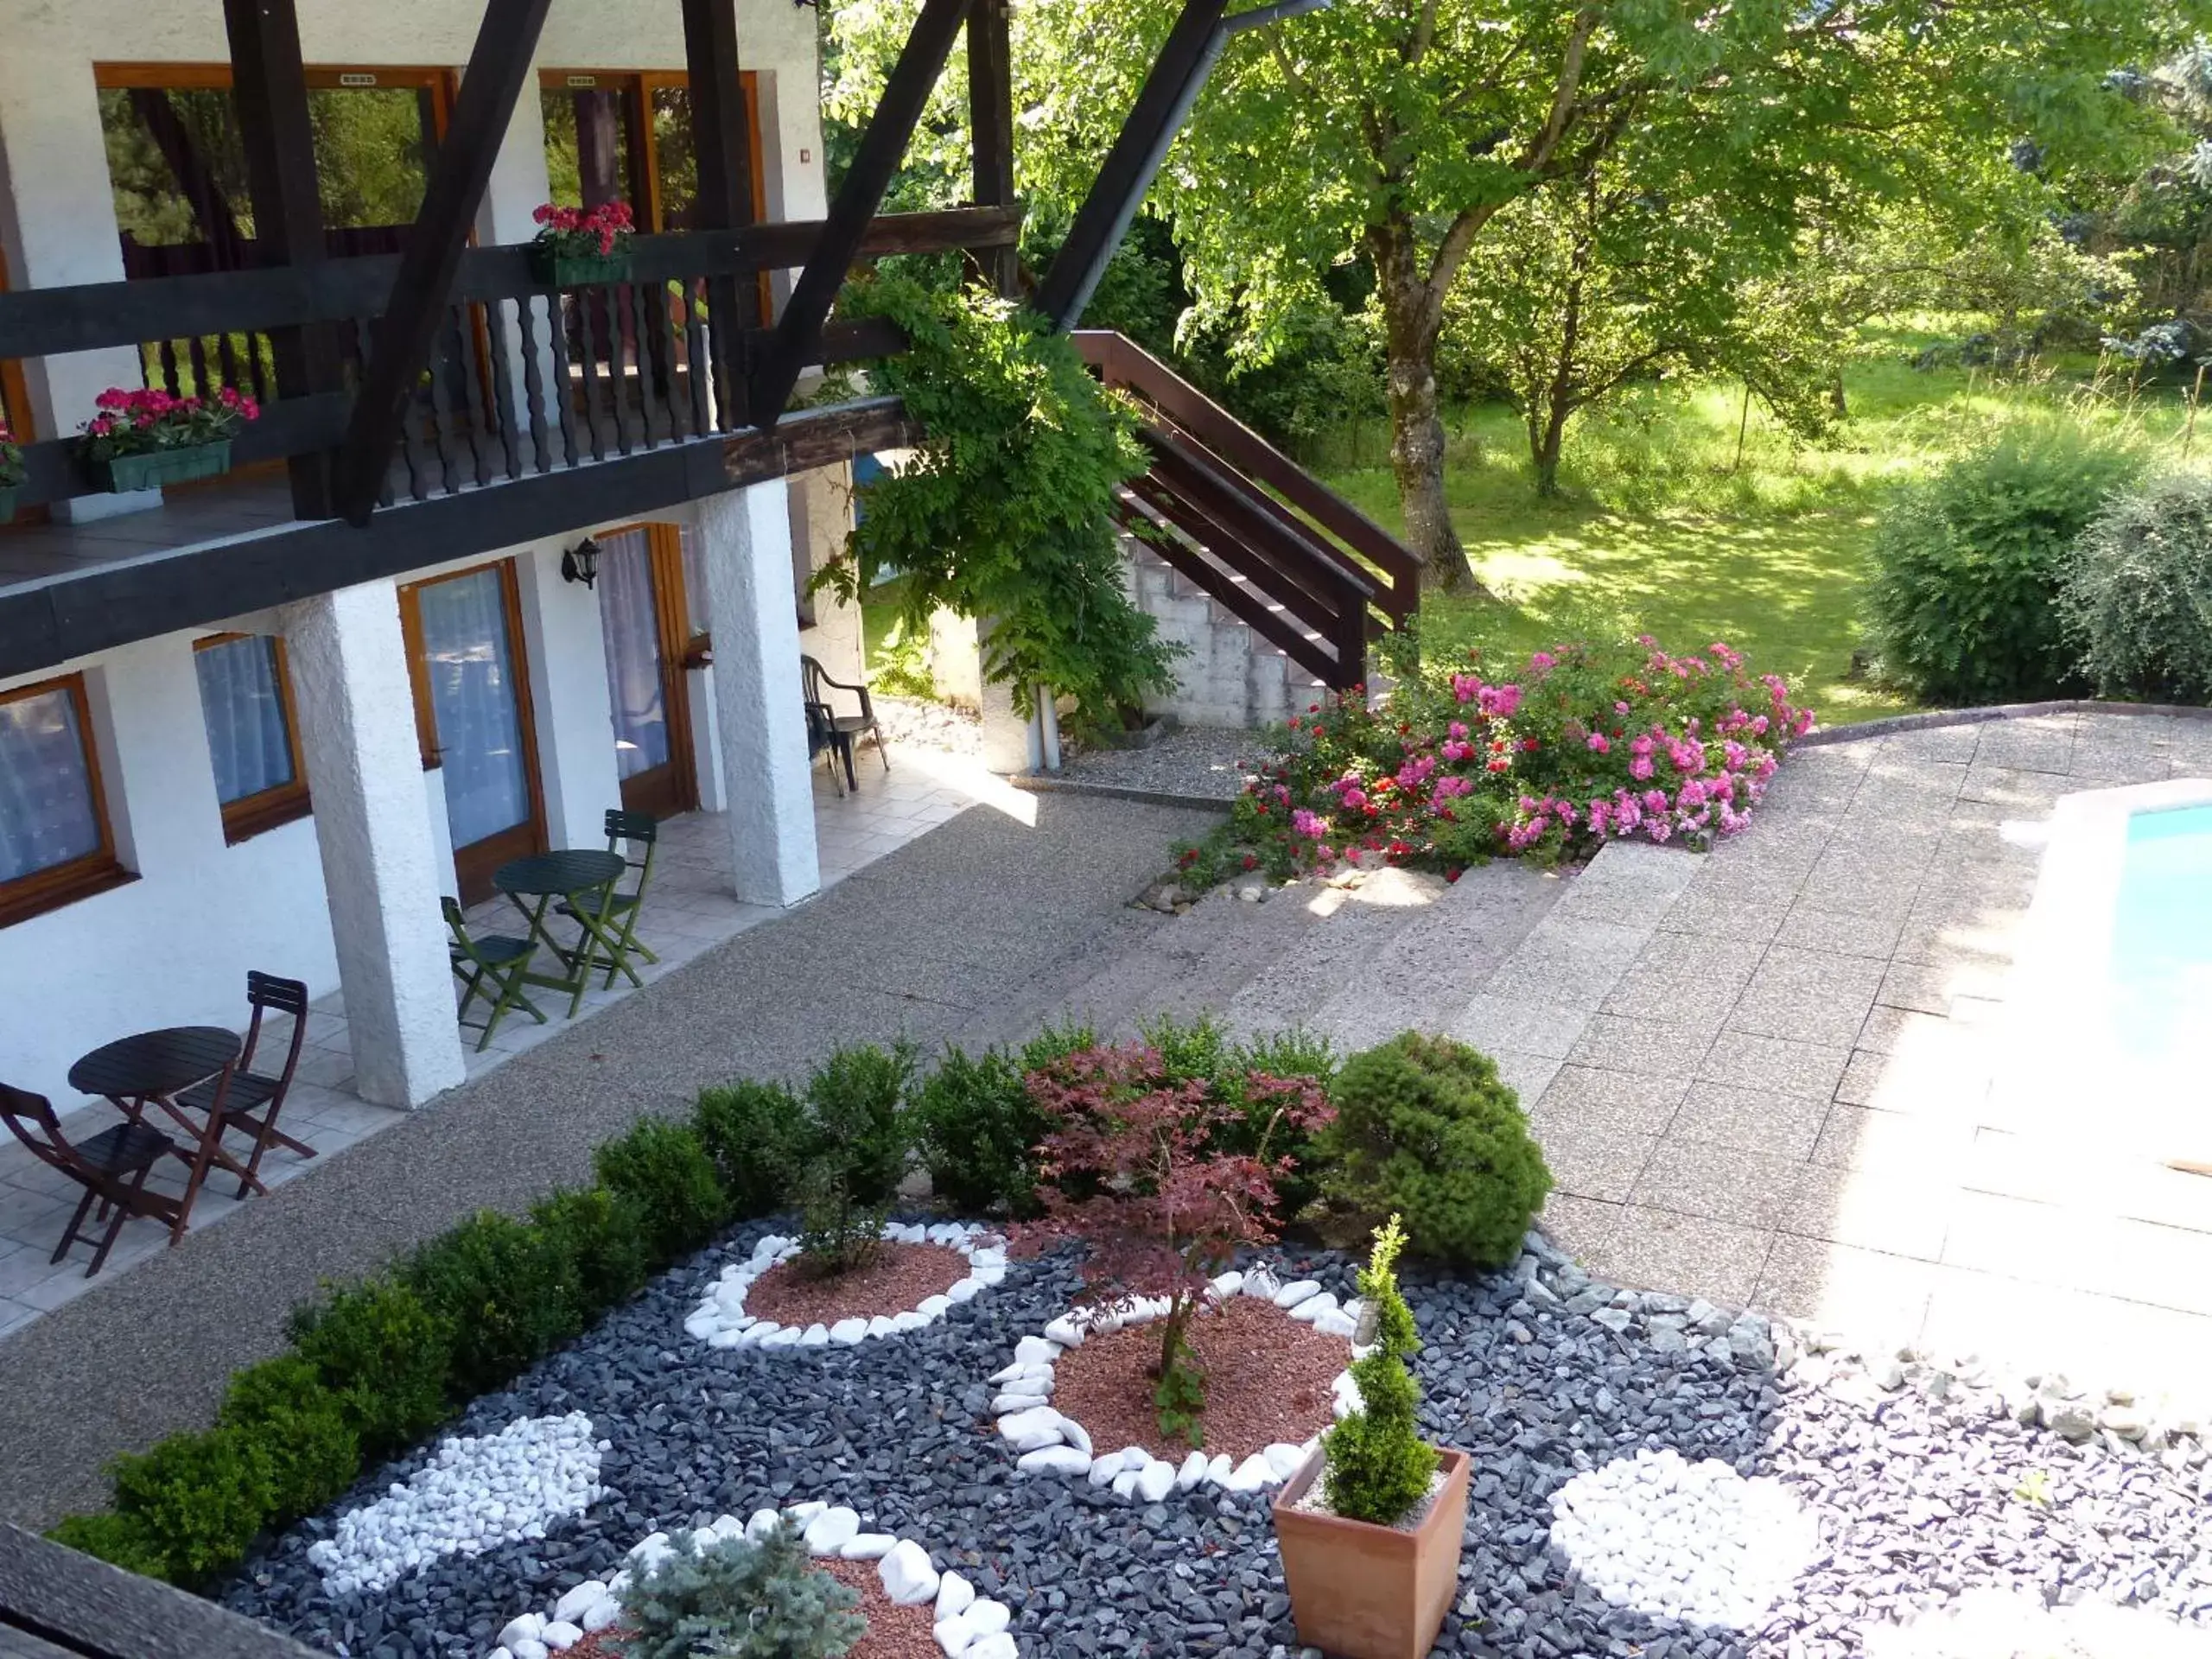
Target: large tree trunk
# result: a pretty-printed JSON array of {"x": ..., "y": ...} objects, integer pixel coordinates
[
  {"x": 1413, "y": 318},
  {"x": 1544, "y": 448}
]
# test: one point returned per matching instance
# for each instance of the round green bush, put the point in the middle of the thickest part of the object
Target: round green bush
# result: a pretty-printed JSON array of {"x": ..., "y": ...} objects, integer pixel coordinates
[
  {"x": 2138, "y": 595},
  {"x": 1962, "y": 606},
  {"x": 600, "y": 1241},
  {"x": 978, "y": 1131},
  {"x": 204, "y": 1496},
  {"x": 1425, "y": 1130},
  {"x": 119, "y": 1540},
  {"x": 303, "y": 1428},
  {"x": 663, "y": 1168},
  {"x": 758, "y": 1135},
  {"x": 384, "y": 1355},
  {"x": 503, "y": 1294}
]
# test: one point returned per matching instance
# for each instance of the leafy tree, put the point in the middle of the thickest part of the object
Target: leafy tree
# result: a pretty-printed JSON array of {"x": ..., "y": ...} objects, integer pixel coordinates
[{"x": 1398, "y": 131}]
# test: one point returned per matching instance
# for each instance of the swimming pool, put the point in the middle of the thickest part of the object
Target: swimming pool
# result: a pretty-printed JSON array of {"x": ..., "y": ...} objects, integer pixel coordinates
[{"x": 2110, "y": 998}]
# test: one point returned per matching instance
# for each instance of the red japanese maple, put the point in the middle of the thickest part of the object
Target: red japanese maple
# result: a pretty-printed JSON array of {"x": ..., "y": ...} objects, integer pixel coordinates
[{"x": 1148, "y": 1172}]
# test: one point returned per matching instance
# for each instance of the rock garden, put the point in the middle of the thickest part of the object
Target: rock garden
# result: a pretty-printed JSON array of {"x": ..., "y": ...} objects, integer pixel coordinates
[{"x": 1191, "y": 1347}]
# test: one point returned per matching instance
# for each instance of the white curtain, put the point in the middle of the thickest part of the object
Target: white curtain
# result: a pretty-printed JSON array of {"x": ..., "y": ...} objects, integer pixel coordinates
[
  {"x": 473, "y": 698},
  {"x": 244, "y": 712},
  {"x": 695, "y": 581},
  {"x": 45, "y": 793},
  {"x": 629, "y": 621}
]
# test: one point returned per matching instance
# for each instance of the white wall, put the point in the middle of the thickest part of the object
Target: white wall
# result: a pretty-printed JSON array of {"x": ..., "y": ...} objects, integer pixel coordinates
[{"x": 173, "y": 947}]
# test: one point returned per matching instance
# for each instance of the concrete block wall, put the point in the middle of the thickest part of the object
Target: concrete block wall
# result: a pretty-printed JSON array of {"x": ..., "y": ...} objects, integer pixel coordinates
[{"x": 1228, "y": 676}]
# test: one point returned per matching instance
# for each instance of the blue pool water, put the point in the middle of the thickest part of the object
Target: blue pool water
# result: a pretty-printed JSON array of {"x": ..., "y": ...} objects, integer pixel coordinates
[{"x": 2160, "y": 987}]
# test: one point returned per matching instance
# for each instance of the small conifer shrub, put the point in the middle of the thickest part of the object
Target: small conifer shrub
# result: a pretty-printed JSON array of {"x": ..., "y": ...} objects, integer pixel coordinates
[
  {"x": 1378, "y": 1466},
  {"x": 738, "y": 1599}
]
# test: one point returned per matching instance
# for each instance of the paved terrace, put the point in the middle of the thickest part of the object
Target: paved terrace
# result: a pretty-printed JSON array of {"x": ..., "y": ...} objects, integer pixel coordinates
[{"x": 1774, "y": 1065}]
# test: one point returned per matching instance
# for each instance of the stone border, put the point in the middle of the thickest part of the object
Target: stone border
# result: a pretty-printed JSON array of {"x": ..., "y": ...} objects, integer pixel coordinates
[
  {"x": 721, "y": 1320},
  {"x": 967, "y": 1626},
  {"x": 1043, "y": 783},
  {"x": 1826, "y": 737},
  {"x": 1046, "y": 1442}
]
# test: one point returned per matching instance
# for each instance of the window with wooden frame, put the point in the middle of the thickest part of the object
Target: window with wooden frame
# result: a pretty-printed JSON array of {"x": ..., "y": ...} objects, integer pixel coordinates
[
  {"x": 56, "y": 845},
  {"x": 253, "y": 732}
]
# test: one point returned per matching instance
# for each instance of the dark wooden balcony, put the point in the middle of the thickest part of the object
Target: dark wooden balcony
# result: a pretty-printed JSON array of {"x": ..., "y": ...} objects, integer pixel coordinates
[{"x": 536, "y": 411}]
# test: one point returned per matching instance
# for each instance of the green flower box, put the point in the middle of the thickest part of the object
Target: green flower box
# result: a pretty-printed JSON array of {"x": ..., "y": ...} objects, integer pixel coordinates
[
  {"x": 7, "y": 502},
  {"x": 152, "y": 468},
  {"x": 577, "y": 269}
]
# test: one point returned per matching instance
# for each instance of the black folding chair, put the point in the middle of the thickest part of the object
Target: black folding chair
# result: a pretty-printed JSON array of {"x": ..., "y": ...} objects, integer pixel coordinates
[
  {"x": 625, "y": 833},
  {"x": 490, "y": 970},
  {"x": 111, "y": 1168},
  {"x": 255, "y": 1098}
]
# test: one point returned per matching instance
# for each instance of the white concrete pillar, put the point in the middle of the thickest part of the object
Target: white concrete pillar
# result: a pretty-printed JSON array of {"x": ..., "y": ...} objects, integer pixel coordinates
[
  {"x": 759, "y": 713},
  {"x": 357, "y": 731},
  {"x": 58, "y": 228},
  {"x": 567, "y": 648}
]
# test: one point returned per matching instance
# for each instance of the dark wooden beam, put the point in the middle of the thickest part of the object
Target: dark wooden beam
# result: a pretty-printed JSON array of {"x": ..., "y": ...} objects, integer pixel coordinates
[
  {"x": 219, "y": 227},
  {"x": 882, "y": 146},
  {"x": 1185, "y": 60},
  {"x": 47, "y": 621},
  {"x": 270, "y": 95},
  {"x": 49, "y": 321},
  {"x": 990, "y": 120},
  {"x": 85, "y": 1607},
  {"x": 721, "y": 140},
  {"x": 497, "y": 66}
]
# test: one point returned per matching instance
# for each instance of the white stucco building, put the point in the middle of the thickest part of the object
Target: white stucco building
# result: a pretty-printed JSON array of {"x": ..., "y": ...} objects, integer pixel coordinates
[{"x": 292, "y": 787}]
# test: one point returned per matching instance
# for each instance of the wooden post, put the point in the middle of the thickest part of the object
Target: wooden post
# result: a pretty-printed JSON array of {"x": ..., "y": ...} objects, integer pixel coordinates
[
  {"x": 882, "y": 146},
  {"x": 990, "y": 119},
  {"x": 498, "y": 64},
  {"x": 270, "y": 89},
  {"x": 722, "y": 143}
]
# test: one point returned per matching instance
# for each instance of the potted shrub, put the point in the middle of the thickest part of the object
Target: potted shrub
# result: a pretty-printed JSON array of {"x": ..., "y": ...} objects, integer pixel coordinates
[
  {"x": 11, "y": 472},
  {"x": 142, "y": 439},
  {"x": 1372, "y": 1557},
  {"x": 576, "y": 247}
]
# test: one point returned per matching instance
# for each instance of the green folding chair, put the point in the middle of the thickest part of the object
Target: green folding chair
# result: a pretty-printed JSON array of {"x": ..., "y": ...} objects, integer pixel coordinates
[
  {"x": 635, "y": 836},
  {"x": 490, "y": 970}
]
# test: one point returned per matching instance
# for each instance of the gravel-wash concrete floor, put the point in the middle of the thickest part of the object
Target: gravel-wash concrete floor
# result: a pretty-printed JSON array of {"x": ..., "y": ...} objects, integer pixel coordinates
[{"x": 962, "y": 936}]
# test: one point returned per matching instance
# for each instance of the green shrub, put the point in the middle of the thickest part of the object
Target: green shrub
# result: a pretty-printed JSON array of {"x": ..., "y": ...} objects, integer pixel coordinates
[
  {"x": 1294, "y": 1053},
  {"x": 978, "y": 1132},
  {"x": 757, "y": 1135},
  {"x": 304, "y": 1429},
  {"x": 1425, "y": 1130},
  {"x": 599, "y": 1242},
  {"x": 204, "y": 1496},
  {"x": 2138, "y": 594},
  {"x": 1198, "y": 1052},
  {"x": 499, "y": 1289},
  {"x": 120, "y": 1539},
  {"x": 383, "y": 1354},
  {"x": 1962, "y": 605},
  {"x": 664, "y": 1169},
  {"x": 738, "y": 1600},
  {"x": 1057, "y": 1043},
  {"x": 857, "y": 1098},
  {"x": 1378, "y": 1466}
]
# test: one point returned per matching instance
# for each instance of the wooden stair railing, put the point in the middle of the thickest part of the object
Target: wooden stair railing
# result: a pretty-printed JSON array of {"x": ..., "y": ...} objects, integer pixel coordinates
[{"x": 1279, "y": 549}]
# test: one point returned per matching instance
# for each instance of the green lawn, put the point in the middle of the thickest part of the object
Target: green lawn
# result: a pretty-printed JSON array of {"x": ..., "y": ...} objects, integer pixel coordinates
[{"x": 1661, "y": 530}]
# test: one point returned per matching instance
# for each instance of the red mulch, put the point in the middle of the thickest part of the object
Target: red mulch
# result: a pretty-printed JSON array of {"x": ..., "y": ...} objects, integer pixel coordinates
[
  {"x": 1268, "y": 1379},
  {"x": 894, "y": 1631},
  {"x": 900, "y": 1277}
]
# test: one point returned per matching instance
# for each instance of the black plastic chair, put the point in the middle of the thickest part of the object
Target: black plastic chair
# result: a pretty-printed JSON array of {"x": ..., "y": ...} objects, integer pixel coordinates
[
  {"x": 254, "y": 1098},
  {"x": 627, "y": 832},
  {"x": 490, "y": 969},
  {"x": 111, "y": 1168},
  {"x": 850, "y": 728},
  {"x": 822, "y": 736}
]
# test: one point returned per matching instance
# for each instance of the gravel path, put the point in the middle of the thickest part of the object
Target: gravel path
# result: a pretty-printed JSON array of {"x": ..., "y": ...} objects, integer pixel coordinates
[
  {"x": 1196, "y": 764},
  {"x": 1924, "y": 1484}
]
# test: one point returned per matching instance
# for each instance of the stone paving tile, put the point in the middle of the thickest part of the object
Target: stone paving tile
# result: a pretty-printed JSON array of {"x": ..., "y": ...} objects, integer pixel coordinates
[
  {"x": 1491, "y": 1023},
  {"x": 1882, "y": 1210},
  {"x": 1650, "y": 1048},
  {"x": 1598, "y": 1164},
  {"x": 2071, "y": 1177},
  {"x": 1932, "y": 743},
  {"x": 2018, "y": 791},
  {"x": 1649, "y": 1249},
  {"x": 1860, "y": 1137},
  {"x": 1581, "y": 1227},
  {"x": 2038, "y": 741},
  {"x": 1750, "y": 1189},
  {"x": 1862, "y": 1292},
  {"x": 15, "y": 1313},
  {"x": 1746, "y": 1061},
  {"x": 1723, "y": 916},
  {"x": 1526, "y": 1075},
  {"x": 1582, "y": 1099},
  {"x": 1784, "y": 1125},
  {"x": 1576, "y": 962},
  {"x": 1817, "y": 996},
  {"x": 1951, "y": 1080},
  {"x": 1810, "y": 927}
]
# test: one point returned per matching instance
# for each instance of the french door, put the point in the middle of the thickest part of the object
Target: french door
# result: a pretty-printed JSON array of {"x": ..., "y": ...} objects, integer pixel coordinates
[
  {"x": 645, "y": 619},
  {"x": 472, "y": 713}
]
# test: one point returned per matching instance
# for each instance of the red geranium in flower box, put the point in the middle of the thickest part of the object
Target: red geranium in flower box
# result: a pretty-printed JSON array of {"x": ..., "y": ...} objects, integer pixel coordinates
[
  {"x": 576, "y": 247},
  {"x": 142, "y": 440}
]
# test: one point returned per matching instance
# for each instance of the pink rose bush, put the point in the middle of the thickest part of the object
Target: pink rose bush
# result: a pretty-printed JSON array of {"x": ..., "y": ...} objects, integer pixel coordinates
[{"x": 1580, "y": 745}]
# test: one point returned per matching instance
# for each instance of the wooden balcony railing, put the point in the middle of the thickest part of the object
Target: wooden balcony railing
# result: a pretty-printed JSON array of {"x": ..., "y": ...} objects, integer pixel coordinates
[{"x": 522, "y": 381}]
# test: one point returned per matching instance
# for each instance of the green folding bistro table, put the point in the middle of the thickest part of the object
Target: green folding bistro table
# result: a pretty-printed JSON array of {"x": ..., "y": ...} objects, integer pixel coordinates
[{"x": 584, "y": 877}]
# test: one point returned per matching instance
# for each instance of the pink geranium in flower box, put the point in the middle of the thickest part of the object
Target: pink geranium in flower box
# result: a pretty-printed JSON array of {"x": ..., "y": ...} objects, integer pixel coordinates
[
  {"x": 576, "y": 247},
  {"x": 145, "y": 438}
]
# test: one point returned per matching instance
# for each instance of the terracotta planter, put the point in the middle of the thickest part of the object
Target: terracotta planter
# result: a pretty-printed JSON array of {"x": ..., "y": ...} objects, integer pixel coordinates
[
  {"x": 577, "y": 269},
  {"x": 1362, "y": 1592},
  {"x": 155, "y": 467}
]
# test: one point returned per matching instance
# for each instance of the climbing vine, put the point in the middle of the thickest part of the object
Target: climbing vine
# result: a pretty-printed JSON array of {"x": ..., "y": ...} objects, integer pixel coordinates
[{"x": 1005, "y": 512}]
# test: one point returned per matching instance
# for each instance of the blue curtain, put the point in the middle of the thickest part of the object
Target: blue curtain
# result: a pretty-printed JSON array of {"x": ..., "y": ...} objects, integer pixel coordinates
[{"x": 473, "y": 698}]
